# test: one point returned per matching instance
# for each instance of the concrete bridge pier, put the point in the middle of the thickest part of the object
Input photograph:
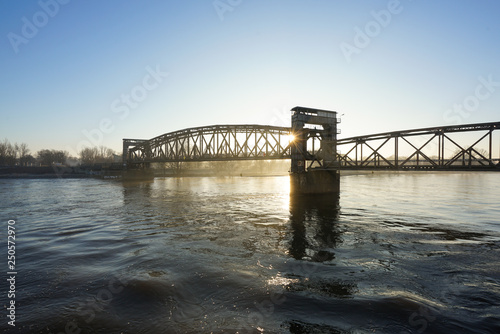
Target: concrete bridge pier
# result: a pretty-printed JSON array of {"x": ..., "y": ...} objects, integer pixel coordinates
[
  {"x": 142, "y": 174},
  {"x": 317, "y": 181}
]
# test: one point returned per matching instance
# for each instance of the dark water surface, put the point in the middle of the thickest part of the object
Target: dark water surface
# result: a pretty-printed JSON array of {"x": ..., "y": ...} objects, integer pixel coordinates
[{"x": 398, "y": 253}]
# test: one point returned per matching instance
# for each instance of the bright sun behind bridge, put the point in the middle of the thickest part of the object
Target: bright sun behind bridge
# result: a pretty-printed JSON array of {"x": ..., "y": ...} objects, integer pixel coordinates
[{"x": 289, "y": 138}]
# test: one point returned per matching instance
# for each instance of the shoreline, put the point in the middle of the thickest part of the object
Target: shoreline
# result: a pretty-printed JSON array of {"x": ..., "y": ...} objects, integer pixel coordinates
[
  {"x": 46, "y": 176},
  {"x": 114, "y": 176}
]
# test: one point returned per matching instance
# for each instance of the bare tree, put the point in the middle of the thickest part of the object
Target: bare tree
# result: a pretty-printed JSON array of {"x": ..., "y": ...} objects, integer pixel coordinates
[
  {"x": 88, "y": 155},
  {"x": 178, "y": 167},
  {"x": 28, "y": 160},
  {"x": 473, "y": 152},
  {"x": 93, "y": 155},
  {"x": 72, "y": 161},
  {"x": 50, "y": 157},
  {"x": 23, "y": 154},
  {"x": 44, "y": 157},
  {"x": 8, "y": 153},
  {"x": 106, "y": 154},
  {"x": 3, "y": 152}
]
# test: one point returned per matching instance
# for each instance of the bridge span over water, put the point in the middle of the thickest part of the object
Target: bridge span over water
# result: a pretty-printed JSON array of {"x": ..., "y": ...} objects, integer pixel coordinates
[{"x": 450, "y": 147}]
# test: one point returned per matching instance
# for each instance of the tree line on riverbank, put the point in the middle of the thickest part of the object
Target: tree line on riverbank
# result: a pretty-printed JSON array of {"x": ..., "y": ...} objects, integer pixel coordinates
[{"x": 14, "y": 154}]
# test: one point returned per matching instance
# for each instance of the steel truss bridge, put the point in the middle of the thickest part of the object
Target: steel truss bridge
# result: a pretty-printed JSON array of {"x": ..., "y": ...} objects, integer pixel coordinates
[
  {"x": 436, "y": 148},
  {"x": 212, "y": 143}
]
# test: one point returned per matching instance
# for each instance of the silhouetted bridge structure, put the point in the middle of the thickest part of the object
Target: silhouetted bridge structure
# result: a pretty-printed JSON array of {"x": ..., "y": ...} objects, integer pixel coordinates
[{"x": 398, "y": 150}]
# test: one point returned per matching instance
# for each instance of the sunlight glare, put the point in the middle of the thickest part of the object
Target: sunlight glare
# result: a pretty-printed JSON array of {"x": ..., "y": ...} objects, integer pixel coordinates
[{"x": 289, "y": 138}]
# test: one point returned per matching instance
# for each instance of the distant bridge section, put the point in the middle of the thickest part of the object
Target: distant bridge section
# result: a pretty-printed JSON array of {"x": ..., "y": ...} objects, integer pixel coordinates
[
  {"x": 435, "y": 148},
  {"x": 212, "y": 143}
]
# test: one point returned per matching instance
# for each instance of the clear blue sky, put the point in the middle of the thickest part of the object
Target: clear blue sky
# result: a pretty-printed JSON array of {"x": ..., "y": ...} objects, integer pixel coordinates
[{"x": 75, "y": 67}]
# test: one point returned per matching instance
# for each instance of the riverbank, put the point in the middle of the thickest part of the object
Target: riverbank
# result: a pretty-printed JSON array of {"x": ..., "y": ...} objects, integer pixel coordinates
[{"x": 44, "y": 172}]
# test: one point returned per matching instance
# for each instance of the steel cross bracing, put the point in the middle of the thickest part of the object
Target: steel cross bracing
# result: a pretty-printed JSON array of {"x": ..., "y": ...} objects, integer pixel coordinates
[
  {"x": 365, "y": 152},
  {"x": 215, "y": 143}
]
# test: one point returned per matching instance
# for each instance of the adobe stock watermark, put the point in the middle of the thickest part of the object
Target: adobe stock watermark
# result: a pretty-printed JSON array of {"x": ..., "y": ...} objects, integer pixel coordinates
[
  {"x": 281, "y": 116},
  {"x": 461, "y": 111},
  {"x": 31, "y": 26},
  {"x": 373, "y": 28},
  {"x": 264, "y": 309},
  {"x": 421, "y": 319},
  {"x": 88, "y": 310},
  {"x": 223, "y": 6},
  {"x": 121, "y": 107}
]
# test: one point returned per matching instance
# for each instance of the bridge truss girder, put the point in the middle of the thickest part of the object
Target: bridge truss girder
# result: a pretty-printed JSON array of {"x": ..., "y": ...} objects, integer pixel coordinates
[
  {"x": 381, "y": 151},
  {"x": 463, "y": 157},
  {"x": 215, "y": 143}
]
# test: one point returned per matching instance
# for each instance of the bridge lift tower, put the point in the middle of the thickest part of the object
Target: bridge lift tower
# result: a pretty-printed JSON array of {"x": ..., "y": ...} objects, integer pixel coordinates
[{"x": 322, "y": 175}]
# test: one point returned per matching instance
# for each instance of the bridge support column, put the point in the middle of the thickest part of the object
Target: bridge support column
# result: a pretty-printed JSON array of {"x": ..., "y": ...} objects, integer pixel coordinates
[
  {"x": 317, "y": 181},
  {"x": 142, "y": 174}
]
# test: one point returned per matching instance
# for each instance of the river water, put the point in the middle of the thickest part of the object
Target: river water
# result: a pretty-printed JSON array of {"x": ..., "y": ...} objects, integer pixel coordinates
[{"x": 396, "y": 253}]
